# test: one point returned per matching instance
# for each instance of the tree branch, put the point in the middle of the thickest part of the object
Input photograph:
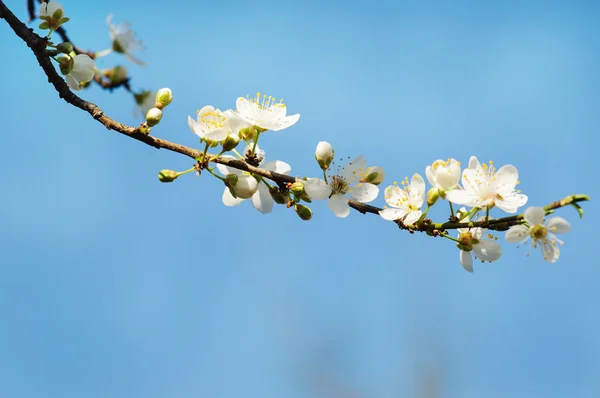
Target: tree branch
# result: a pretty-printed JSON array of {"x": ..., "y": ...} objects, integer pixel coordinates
[{"x": 38, "y": 46}]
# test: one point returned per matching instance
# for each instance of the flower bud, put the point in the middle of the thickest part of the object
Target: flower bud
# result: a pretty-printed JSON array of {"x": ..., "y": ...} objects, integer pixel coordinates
[
  {"x": 65, "y": 47},
  {"x": 153, "y": 117},
  {"x": 247, "y": 133},
  {"x": 444, "y": 174},
  {"x": 230, "y": 142},
  {"x": 374, "y": 175},
  {"x": 167, "y": 175},
  {"x": 279, "y": 196},
  {"x": 66, "y": 64},
  {"x": 432, "y": 196},
  {"x": 164, "y": 96},
  {"x": 297, "y": 188},
  {"x": 303, "y": 212},
  {"x": 242, "y": 187},
  {"x": 117, "y": 75},
  {"x": 324, "y": 154}
]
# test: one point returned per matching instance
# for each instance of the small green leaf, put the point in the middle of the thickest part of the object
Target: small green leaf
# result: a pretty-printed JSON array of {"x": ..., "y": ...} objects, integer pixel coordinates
[
  {"x": 578, "y": 208},
  {"x": 44, "y": 25}
]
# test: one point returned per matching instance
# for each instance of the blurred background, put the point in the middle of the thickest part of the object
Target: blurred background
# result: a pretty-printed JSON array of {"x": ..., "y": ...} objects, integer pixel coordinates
[{"x": 115, "y": 285}]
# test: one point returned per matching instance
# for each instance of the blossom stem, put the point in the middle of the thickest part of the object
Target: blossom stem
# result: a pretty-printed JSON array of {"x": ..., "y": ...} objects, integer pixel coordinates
[
  {"x": 205, "y": 151},
  {"x": 451, "y": 209},
  {"x": 487, "y": 213},
  {"x": 255, "y": 139},
  {"x": 449, "y": 237},
  {"x": 423, "y": 215},
  {"x": 238, "y": 154},
  {"x": 186, "y": 171},
  {"x": 325, "y": 176},
  {"x": 264, "y": 180},
  {"x": 215, "y": 174}
]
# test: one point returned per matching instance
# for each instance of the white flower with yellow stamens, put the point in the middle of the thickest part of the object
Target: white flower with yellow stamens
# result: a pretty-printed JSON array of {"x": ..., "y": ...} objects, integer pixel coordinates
[
  {"x": 471, "y": 244},
  {"x": 406, "y": 202},
  {"x": 540, "y": 234},
  {"x": 351, "y": 181},
  {"x": 486, "y": 187},
  {"x": 265, "y": 112},
  {"x": 443, "y": 175}
]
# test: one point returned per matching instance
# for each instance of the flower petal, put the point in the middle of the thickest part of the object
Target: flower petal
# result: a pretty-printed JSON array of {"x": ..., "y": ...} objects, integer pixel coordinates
[
  {"x": 229, "y": 200},
  {"x": 506, "y": 178},
  {"x": 534, "y": 215},
  {"x": 461, "y": 197},
  {"x": 72, "y": 83},
  {"x": 338, "y": 204},
  {"x": 223, "y": 169},
  {"x": 278, "y": 166},
  {"x": 316, "y": 188},
  {"x": 364, "y": 192},
  {"x": 412, "y": 217},
  {"x": 517, "y": 233},
  {"x": 285, "y": 122},
  {"x": 394, "y": 196},
  {"x": 262, "y": 200},
  {"x": 511, "y": 202},
  {"x": 355, "y": 169},
  {"x": 430, "y": 176},
  {"x": 417, "y": 186},
  {"x": 392, "y": 214},
  {"x": 488, "y": 250},
  {"x": 466, "y": 260},
  {"x": 558, "y": 225},
  {"x": 550, "y": 250}
]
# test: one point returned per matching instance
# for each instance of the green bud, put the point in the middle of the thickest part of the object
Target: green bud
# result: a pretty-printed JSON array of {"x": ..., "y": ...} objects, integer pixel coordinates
[
  {"x": 297, "y": 188},
  {"x": 65, "y": 47},
  {"x": 117, "y": 75},
  {"x": 247, "y": 133},
  {"x": 303, "y": 212},
  {"x": 164, "y": 96},
  {"x": 432, "y": 196},
  {"x": 167, "y": 175},
  {"x": 279, "y": 196},
  {"x": 374, "y": 175},
  {"x": 231, "y": 180},
  {"x": 153, "y": 117},
  {"x": 230, "y": 142},
  {"x": 66, "y": 63}
]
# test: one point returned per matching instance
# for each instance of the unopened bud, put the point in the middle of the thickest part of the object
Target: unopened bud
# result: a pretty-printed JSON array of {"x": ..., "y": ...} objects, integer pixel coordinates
[
  {"x": 247, "y": 133},
  {"x": 432, "y": 196},
  {"x": 297, "y": 188},
  {"x": 230, "y": 142},
  {"x": 231, "y": 180},
  {"x": 374, "y": 175},
  {"x": 117, "y": 75},
  {"x": 153, "y": 117},
  {"x": 324, "y": 154},
  {"x": 167, "y": 175},
  {"x": 303, "y": 212},
  {"x": 164, "y": 96},
  {"x": 279, "y": 196},
  {"x": 466, "y": 241},
  {"x": 65, "y": 47},
  {"x": 66, "y": 63}
]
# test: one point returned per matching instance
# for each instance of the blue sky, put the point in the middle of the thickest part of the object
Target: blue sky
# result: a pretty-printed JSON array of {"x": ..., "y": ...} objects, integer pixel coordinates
[{"x": 112, "y": 284}]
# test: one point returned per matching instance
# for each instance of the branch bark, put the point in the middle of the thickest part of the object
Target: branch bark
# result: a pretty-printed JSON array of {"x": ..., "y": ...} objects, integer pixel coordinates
[{"x": 37, "y": 45}]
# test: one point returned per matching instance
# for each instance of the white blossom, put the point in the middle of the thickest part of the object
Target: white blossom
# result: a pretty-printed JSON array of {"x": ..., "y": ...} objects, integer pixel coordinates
[
  {"x": 484, "y": 186},
  {"x": 124, "y": 41},
  {"x": 472, "y": 244},
  {"x": 265, "y": 112},
  {"x": 540, "y": 234},
  {"x": 406, "y": 202}
]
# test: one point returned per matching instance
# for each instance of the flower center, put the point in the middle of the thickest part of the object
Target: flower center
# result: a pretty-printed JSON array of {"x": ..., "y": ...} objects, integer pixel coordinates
[
  {"x": 538, "y": 232},
  {"x": 266, "y": 102},
  {"x": 338, "y": 185},
  {"x": 212, "y": 119}
]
